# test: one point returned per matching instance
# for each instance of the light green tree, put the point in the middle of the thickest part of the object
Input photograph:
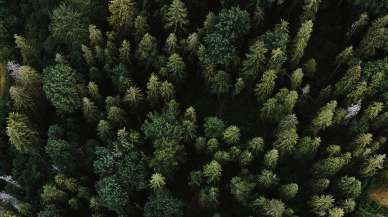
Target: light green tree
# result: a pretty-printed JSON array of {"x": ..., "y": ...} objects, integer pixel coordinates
[
  {"x": 176, "y": 16},
  {"x": 300, "y": 42}
]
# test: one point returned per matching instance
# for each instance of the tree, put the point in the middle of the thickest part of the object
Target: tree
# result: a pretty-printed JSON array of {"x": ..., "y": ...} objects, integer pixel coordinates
[
  {"x": 21, "y": 133},
  {"x": 212, "y": 171},
  {"x": 220, "y": 83},
  {"x": 68, "y": 25},
  {"x": 147, "y": 49},
  {"x": 300, "y": 42},
  {"x": 95, "y": 36},
  {"x": 60, "y": 87},
  {"x": 90, "y": 110},
  {"x": 163, "y": 204},
  {"x": 153, "y": 85},
  {"x": 171, "y": 43},
  {"x": 62, "y": 153},
  {"x": 256, "y": 145},
  {"x": 176, "y": 16},
  {"x": 220, "y": 42},
  {"x": 307, "y": 148},
  {"x": 325, "y": 116},
  {"x": 27, "y": 50},
  {"x": 288, "y": 191},
  {"x": 213, "y": 127},
  {"x": 296, "y": 79},
  {"x": 321, "y": 204},
  {"x": 133, "y": 97},
  {"x": 330, "y": 166},
  {"x": 271, "y": 159},
  {"x": 266, "y": 179},
  {"x": 266, "y": 86},
  {"x": 375, "y": 39},
  {"x": 208, "y": 197},
  {"x": 175, "y": 69},
  {"x": 346, "y": 83},
  {"x": 157, "y": 181},
  {"x": 270, "y": 208},
  {"x": 27, "y": 90},
  {"x": 232, "y": 135},
  {"x": 372, "y": 164},
  {"x": 111, "y": 194},
  {"x": 349, "y": 187},
  {"x": 125, "y": 52},
  {"x": 287, "y": 136},
  {"x": 310, "y": 8},
  {"x": 141, "y": 27},
  {"x": 122, "y": 13},
  {"x": 241, "y": 189},
  {"x": 254, "y": 61}
]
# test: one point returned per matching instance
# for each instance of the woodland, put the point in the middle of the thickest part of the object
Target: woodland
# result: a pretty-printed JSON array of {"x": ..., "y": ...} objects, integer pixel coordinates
[{"x": 187, "y": 108}]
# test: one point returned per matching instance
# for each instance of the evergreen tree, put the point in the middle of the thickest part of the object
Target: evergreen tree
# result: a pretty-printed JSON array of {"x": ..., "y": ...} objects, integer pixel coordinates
[
  {"x": 176, "y": 16},
  {"x": 122, "y": 13},
  {"x": 300, "y": 42},
  {"x": 21, "y": 133},
  {"x": 254, "y": 61},
  {"x": 60, "y": 87}
]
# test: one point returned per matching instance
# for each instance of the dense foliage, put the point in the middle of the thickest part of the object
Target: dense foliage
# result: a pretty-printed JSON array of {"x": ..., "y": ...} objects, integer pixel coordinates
[{"x": 172, "y": 108}]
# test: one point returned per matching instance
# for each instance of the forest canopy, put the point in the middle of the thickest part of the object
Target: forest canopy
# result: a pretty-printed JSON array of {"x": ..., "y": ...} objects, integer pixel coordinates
[{"x": 173, "y": 108}]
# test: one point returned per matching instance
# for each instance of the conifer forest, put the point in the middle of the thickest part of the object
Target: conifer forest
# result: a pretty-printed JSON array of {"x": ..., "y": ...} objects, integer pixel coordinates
[{"x": 193, "y": 108}]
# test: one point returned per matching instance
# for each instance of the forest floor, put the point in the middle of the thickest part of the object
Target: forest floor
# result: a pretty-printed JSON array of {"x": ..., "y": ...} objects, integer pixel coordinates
[{"x": 380, "y": 196}]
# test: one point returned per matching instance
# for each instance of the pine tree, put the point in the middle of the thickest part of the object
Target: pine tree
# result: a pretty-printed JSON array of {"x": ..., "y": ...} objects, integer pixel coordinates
[
  {"x": 296, "y": 79},
  {"x": 286, "y": 135},
  {"x": 375, "y": 39},
  {"x": 95, "y": 36},
  {"x": 310, "y": 8},
  {"x": 60, "y": 87},
  {"x": 266, "y": 86},
  {"x": 348, "y": 81},
  {"x": 372, "y": 164},
  {"x": 349, "y": 187},
  {"x": 157, "y": 181},
  {"x": 141, "y": 27},
  {"x": 175, "y": 69},
  {"x": 176, "y": 16},
  {"x": 125, "y": 52},
  {"x": 232, "y": 135},
  {"x": 241, "y": 189},
  {"x": 212, "y": 171},
  {"x": 321, "y": 204},
  {"x": 122, "y": 13},
  {"x": 68, "y": 25},
  {"x": 147, "y": 49},
  {"x": 325, "y": 116},
  {"x": 288, "y": 191},
  {"x": 300, "y": 42},
  {"x": 21, "y": 133},
  {"x": 254, "y": 61},
  {"x": 271, "y": 159}
]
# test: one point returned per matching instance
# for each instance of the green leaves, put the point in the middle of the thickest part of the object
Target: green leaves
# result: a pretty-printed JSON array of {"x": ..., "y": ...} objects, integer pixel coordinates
[
  {"x": 60, "y": 87},
  {"x": 163, "y": 204},
  {"x": 21, "y": 133}
]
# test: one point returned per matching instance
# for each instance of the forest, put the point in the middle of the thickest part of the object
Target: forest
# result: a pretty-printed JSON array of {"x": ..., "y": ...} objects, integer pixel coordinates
[{"x": 187, "y": 108}]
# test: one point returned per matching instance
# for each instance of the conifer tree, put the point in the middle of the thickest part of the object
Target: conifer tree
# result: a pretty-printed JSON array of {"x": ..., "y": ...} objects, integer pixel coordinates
[
  {"x": 321, "y": 204},
  {"x": 122, "y": 13},
  {"x": 300, "y": 42},
  {"x": 325, "y": 116},
  {"x": 264, "y": 89},
  {"x": 21, "y": 133},
  {"x": 60, "y": 87},
  {"x": 176, "y": 16},
  {"x": 254, "y": 61}
]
